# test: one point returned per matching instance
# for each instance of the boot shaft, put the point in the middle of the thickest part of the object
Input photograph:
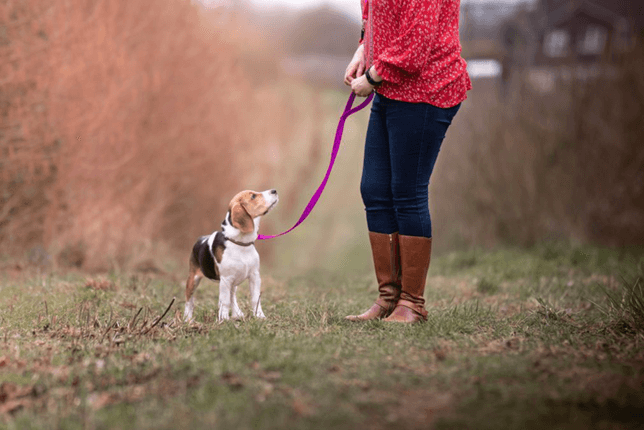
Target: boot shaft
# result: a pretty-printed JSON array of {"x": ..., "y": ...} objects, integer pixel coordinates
[
  {"x": 415, "y": 256},
  {"x": 386, "y": 260},
  {"x": 385, "y": 249}
]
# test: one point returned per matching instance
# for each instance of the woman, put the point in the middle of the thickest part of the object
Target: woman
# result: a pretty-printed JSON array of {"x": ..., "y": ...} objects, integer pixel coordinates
[{"x": 410, "y": 55}]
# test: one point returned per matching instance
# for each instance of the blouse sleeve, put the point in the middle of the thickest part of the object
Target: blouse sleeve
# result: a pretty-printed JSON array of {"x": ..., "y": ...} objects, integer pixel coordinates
[{"x": 408, "y": 51}]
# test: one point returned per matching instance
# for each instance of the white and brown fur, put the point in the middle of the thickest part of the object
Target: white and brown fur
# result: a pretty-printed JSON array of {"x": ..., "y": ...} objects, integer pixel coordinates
[{"x": 229, "y": 255}]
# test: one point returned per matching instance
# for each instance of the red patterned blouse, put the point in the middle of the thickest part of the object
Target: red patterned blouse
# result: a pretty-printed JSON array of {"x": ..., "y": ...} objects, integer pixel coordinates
[{"x": 415, "y": 48}]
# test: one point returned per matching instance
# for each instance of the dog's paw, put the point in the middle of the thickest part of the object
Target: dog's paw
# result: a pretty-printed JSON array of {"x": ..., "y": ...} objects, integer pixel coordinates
[
  {"x": 237, "y": 313},
  {"x": 223, "y": 316},
  {"x": 187, "y": 311}
]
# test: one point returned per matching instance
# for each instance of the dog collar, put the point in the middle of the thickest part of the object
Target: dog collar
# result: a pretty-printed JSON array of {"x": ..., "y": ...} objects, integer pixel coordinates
[{"x": 236, "y": 242}]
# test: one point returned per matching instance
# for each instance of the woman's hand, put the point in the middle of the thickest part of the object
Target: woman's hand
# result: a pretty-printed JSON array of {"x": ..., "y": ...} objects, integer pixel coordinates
[
  {"x": 356, "y": 66},
  {"x": 361, "y": 86}
]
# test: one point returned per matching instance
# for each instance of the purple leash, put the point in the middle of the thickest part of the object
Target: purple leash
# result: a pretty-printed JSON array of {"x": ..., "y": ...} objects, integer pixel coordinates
[{"x": 348, "y": 111}]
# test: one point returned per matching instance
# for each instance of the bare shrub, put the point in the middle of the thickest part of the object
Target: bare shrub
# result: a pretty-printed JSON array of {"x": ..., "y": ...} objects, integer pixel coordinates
[
  {"x": 122, "y": 125},
  {"x": 565, "y": 165}
]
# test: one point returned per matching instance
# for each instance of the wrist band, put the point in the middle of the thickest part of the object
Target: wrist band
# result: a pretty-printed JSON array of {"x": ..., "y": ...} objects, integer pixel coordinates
[{"x": 370, "y": 79}]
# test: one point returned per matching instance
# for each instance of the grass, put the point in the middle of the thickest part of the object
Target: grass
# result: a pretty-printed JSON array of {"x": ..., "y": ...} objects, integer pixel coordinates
[{"x": 545, "y": 338}]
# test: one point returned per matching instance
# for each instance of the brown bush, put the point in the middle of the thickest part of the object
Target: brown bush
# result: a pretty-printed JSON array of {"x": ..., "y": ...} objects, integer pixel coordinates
[{"x": 121, "y": 126}]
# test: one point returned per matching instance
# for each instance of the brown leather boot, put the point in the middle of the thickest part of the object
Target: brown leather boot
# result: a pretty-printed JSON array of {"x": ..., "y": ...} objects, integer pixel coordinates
[
  {"x": 415, "y": 254},
  {"x": 386, "y": 260}
]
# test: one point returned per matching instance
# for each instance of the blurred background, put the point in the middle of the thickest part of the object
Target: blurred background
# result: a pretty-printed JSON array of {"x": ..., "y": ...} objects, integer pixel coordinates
[{"x": 126, "y": 127}]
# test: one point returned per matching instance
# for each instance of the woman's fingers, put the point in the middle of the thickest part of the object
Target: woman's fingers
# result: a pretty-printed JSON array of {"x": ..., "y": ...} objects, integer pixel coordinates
[
  {"x": 356, "y": 67},
  {"x": 361, "y": 68},
  {"x": 350, "y": 74},
  {"x": 361, "y": 87}
]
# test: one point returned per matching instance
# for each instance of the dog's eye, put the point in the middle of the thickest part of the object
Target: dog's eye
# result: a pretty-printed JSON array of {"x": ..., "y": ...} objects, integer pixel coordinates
[{"x": 252, "y": 196}]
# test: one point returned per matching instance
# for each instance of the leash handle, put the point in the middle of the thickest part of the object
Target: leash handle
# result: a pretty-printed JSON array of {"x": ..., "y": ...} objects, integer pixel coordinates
[{"x": 348, "y": 111}]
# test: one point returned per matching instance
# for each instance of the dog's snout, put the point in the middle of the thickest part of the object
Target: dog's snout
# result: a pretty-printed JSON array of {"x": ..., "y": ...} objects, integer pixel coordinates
[{"x": 273, "y": 191}]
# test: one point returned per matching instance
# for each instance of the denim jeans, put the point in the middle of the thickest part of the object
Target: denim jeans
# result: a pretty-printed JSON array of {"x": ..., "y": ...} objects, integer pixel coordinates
[{"x": 402, "y": 144}]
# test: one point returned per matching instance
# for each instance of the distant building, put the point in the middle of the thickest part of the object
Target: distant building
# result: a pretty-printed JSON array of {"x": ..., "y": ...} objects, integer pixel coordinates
[
  {"x": 579, "y": 33},
  {"x": 565, "y": 31}
]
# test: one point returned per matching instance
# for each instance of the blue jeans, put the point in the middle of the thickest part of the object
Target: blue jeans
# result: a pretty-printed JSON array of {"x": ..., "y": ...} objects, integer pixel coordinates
[{"x": 402, "y": 144}]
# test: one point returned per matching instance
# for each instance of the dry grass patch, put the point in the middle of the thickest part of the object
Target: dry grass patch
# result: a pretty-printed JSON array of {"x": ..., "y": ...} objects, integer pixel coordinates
[{"x": 112, "y": 351}]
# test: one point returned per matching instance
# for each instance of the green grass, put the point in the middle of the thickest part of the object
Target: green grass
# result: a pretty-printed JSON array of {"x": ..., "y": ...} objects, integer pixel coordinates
[{"x": 545, "y": 338}]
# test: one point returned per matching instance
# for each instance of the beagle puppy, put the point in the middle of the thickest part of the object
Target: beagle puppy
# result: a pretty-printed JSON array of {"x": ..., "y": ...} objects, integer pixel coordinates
[{"x": 229, "y": 255}]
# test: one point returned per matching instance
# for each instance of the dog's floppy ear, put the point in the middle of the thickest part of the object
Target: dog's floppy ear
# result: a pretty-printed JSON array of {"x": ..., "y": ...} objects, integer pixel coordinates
[{"x": 240, "y": 218}]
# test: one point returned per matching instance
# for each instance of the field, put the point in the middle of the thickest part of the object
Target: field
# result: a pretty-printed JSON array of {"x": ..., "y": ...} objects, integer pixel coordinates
[
  {"x": 546, "y": 338},
  {"x": 128, "y": 126}
]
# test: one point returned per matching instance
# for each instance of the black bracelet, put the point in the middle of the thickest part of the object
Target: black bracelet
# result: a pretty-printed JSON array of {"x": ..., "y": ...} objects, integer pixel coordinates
[{"x": 370, "y": 79}]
